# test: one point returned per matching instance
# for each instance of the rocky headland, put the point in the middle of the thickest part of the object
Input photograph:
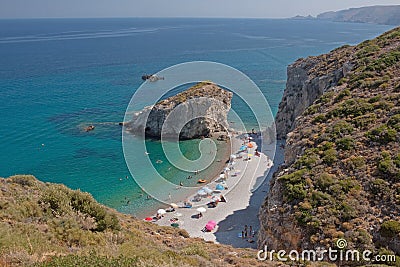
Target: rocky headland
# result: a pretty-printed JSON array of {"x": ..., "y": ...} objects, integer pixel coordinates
[
  {"x": 340, "y": 116},
  {"x": 389, "y": 15},
  {"x": 200, "y": 111}
]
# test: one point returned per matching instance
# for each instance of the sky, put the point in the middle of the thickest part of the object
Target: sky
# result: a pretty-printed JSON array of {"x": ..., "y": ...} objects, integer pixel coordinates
[{"x": 176, "y": 8}]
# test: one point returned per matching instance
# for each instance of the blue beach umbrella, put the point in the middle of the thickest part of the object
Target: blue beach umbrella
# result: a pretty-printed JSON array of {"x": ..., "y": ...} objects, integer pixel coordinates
[{"x": 219, "y": 187}]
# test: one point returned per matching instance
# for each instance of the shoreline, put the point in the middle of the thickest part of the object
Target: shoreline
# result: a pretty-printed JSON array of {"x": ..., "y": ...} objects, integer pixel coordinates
[
  {"x": 214, "y": 173},
  {"x": 238, "y": 196}
]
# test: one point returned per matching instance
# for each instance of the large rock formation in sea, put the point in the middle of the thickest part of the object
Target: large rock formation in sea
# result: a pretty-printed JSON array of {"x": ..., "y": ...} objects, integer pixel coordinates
[
  {"x": 199, "y": 111},
  {"x": 389, "y": 15},
  {"x": 341, "y": 177}
]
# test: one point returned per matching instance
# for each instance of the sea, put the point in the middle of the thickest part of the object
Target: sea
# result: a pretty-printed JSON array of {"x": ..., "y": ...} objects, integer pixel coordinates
[{"x": 59, "y": 75}]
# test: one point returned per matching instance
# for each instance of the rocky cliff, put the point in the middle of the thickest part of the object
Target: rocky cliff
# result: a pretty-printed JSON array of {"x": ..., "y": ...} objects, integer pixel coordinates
[
  {"x": 389, "y": 15},
  {"x": 199, "y": 111},
  {"x": 304, "y": 85},
  {"x": 341, "y": 177}
]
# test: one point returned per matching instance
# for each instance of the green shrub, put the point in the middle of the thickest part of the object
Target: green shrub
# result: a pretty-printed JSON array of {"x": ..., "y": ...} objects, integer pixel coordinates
[
  {"x": 330, "y": 156},
  {"x": 348, "y": 212},
  {"x": 342, "y": 95},
  {"x": 351, "y": 108},
  {"x": 356, "y": 162},
  {"x": 390, "y": 228},
  {"x": 382, "y": 135},
  {"x": 319, "y": 198},
  {"x": 324, "y": 180},
  {"x": 378, "y": 186},
  {"x": 319, "y": 118},
  {"x": 364, "y": 120},
  {"x": 308, "y": 160},
  {"x": 394, "y": 122},
  {"x": 384, "y": 61},
  {"x": 346, "y": 143},
  {"x": 295, "y": 192},
  {"x": 341, "y": 128}
]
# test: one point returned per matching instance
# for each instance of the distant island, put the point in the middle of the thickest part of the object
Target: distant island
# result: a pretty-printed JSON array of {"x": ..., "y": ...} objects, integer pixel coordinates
[{"x": 385, "y": 15}]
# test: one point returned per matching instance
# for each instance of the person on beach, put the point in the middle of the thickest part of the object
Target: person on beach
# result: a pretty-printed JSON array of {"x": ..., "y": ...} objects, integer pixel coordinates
[
  {"x": 169, "y": 196},
  {"x": 245, "y": 231},
  {"x": 251, "y": 231},
  {"x": 242, "y": 234},
  {"x": 181, "y": 183}
]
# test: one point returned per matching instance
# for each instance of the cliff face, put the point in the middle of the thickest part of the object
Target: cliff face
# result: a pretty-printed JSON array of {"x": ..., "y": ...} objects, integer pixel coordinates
[
  {"x": 389, "y": 15},
  {"x": 341, "y": 177},
  {"x": 199, "y": 111},
  {"x": 304, "y": 85}
]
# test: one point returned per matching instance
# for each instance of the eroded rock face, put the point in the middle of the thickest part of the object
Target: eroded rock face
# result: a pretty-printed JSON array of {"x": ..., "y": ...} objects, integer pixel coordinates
[
  {"x": 303, "y": 87},
  {"x": 199, "y": 111},
  {"x": 326, "y": 190}
]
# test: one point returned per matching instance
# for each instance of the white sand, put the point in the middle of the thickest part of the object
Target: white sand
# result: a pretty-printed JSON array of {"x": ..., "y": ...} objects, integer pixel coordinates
[{"x": 244, "y": 196}]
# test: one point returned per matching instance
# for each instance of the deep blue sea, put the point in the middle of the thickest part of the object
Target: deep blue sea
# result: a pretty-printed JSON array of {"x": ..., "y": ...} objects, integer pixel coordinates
[{"x": 58, "y": 75}]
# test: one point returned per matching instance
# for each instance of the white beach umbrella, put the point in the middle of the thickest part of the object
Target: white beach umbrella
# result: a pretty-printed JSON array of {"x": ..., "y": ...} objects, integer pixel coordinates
[
  {"x": 207, "y": 190},
  {"x": 175, "y": 206},
  {"x": 201, "y": 192},
  {"x": 201, "y": 209},
  {"x": 222, "y": 175},
  {"x": 161, "y": 211},
  {"x": 226, "y": 169},
  {"x": 233, "y": 156}
]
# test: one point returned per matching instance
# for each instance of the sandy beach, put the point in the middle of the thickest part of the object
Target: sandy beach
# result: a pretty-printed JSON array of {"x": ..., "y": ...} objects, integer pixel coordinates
[{"x": 244, "y": 196}]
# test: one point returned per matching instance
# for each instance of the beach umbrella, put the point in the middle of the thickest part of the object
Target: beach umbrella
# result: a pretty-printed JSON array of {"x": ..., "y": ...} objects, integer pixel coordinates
[
  {"x": 207, "y": 190},
  {"x": 175, "y": 206},
  {"x": 219, "y": 187},
  {"x": 175, "y": 225},
  {"x": 222, "y": 175},
  {"x": 243, "y": 147},
  {"x": 201, "y": 192},
  {"x": 233, "y": 156},
  {"x": 225, "y": 169},
  {"x": 212, "y": 223},
  {"x": 250, "y": 145},
  {"x": 148, "y": 219},
  {"x": 210, "y": 227},
  {"x": 161, "y": 211},
  {"x": 249, "y": 155},
  {"x": 201, "y": 209}
]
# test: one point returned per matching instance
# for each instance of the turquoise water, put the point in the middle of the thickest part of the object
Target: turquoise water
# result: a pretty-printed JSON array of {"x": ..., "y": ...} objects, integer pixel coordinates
[{"x": 56, "y": 76}]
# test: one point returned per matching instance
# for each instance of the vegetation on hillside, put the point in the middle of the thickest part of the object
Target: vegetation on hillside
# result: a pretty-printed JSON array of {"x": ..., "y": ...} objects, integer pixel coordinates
[
  {"x": 346, "y": 182},
  {"x": 43, "y": 224}
]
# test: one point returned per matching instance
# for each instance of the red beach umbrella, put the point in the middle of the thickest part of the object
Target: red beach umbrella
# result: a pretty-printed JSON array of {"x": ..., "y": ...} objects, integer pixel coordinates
[{"x": 148, "y": 219}]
